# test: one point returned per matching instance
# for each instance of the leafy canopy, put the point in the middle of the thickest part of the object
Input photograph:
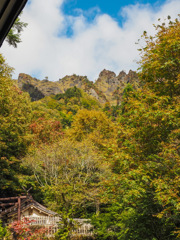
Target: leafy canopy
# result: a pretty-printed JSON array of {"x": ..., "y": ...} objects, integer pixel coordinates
[{"x": 160, "y": 59}]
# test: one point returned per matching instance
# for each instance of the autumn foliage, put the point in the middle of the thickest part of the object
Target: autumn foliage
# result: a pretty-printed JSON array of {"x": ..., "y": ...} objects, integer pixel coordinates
[
  {"x": 23, "y": 230},
  {"x": 116, "y": 165}
]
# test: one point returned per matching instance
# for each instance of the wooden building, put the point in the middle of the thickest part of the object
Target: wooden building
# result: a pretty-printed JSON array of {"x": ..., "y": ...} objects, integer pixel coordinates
[{"x": 16, "y": 208}]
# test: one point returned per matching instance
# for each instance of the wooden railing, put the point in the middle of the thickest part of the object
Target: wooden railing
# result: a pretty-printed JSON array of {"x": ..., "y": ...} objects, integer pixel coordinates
[
  {"x": 43, "y": 221},
  {"x": 83, "y": 226}
]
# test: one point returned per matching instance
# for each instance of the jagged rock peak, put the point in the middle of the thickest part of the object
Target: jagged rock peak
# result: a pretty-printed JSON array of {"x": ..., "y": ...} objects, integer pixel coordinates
[
  {"x": 132, "y": 74},
  {"x": 110, "y": 84},
  {"x": 73, "y": 78},
  {"x": 122, "y": 74},
  {"x": 107, "y": 74}
]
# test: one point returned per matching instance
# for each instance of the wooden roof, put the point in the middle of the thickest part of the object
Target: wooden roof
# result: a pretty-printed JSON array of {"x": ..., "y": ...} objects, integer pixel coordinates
[
  {"x": 9, "y": 11},
  {"x": 26, "y": 203}
]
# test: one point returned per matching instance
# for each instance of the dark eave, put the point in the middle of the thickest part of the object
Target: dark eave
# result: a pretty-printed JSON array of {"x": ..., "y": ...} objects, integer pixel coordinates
[{"x": 9, "y": 11}]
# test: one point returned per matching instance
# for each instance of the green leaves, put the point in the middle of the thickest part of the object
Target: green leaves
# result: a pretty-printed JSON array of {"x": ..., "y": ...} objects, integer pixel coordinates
[
  {"x": 160, "y": 61},
  {"x": 144, "y": 191},
  {"x": 15, "y": 115},
  {"x": 13, "y": 37},
  {"x": 70, "y": 174},
  {"x": 124, "y": 172}
]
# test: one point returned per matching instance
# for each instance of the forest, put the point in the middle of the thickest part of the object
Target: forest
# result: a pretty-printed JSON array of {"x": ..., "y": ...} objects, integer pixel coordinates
[{"x": 116, "y": 165}]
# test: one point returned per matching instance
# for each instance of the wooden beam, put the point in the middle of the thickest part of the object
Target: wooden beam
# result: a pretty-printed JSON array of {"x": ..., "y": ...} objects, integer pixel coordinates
[
  {"x": 12, "y": 198},
  {"x": 6, "y": 204},
  {"x": 19, "y": 209}
]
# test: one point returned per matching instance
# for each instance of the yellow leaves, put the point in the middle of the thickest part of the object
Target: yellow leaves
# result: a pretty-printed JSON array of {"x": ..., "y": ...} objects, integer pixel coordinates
[
  {"x": 92, "y": 124},
  {"x": 15, "y": 114},
  {"x": 160, "y": 59},
  {"x": 167, "y": 193},
  {"x": 5, "y": 70},
  {"x": 73, "y": 169}
]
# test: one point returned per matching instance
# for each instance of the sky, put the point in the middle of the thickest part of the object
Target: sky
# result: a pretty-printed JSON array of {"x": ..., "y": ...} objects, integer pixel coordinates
[{"x": 83, "y": 37}]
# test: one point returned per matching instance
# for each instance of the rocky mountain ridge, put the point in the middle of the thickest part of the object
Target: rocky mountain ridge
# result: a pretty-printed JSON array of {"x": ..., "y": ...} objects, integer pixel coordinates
[{"x": 105, "y": 89}]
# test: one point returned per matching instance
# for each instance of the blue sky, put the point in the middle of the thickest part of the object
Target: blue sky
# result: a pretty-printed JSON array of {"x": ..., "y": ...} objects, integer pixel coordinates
[
  {"x": 83, "y": 37},
  {"x": 111, "y": 7},
  {"x": 91, "y": 8}
]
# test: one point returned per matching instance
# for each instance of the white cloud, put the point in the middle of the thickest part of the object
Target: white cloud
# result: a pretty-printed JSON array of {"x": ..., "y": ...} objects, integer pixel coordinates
[{"x": 93, "y": 46}]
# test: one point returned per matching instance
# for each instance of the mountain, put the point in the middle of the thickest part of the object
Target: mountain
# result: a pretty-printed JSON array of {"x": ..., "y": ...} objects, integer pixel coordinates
[{"x": 107, "y": 88}]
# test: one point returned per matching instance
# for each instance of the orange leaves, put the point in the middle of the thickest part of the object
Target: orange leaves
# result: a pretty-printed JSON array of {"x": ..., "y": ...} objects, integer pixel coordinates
[{"x": 46, "y": 131}]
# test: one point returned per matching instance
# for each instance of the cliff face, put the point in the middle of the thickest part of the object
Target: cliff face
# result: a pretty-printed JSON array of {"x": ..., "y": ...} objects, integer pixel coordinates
[
  {"x": 112, "y": 85},
  {"x": 37, "y": 89},
  {"x": 106, "y": 88}
]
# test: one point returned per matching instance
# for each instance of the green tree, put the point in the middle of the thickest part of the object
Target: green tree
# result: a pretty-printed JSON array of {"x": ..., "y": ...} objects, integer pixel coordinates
[
  {"x": 70, "y": 175},
  {"x": 14, "y": 35},
  {"x": 69, "y": 172},
  {"x": 160, "y": 61},
  {"x": 138, "y": 197},
  {"x": 15, "y": 116},
  {"x": 144, "y": 191}
]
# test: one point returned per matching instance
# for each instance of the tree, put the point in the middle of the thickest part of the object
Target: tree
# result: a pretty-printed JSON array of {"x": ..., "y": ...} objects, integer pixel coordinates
[
  {"x": 45, "y": 131},
  {"x": 15, "y": 116},
  {"x": 70, "y": 173},
  {"x": 13, "y": 37},
  {"x": 160, "y": 61},
  {"x": 24, "y": 230},
  {"x": 92, "y": 124},
  {"x": 139, "y": 201},
  {"x": 144, "y": 191}
]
